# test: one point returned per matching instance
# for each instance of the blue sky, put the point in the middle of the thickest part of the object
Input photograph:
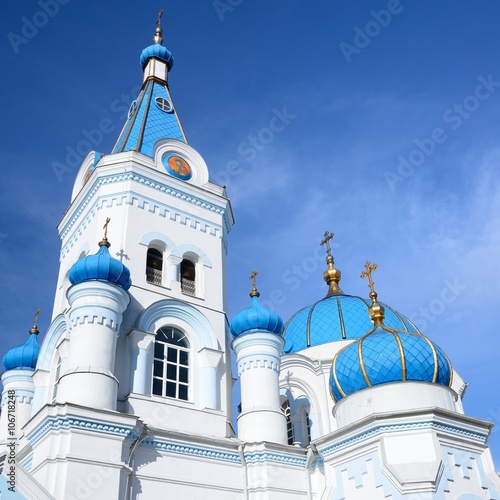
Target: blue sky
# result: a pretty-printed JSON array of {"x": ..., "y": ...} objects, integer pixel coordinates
[{"x": 390, "y": 138}]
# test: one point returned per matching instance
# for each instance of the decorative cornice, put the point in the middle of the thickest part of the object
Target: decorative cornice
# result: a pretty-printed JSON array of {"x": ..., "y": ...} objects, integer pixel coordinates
[
  {"x": 260, "y": 362},
  {"x": 142, "y": 201},
  {"x": 22, "y": 396},
  {"x": 82, "y": 319},
  {"x": 224, "y": 455},
  {"x": 266, "y": 456},
  {"x": 183, "y": 449},
  {"x": 380, "y": 429},
  {"x": 57, "y": 423},
  {"x": 27, "y": 463}
]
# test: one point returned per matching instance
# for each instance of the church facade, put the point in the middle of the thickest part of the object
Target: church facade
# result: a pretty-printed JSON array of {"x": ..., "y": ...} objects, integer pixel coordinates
[{"x": 130, "y": 395}]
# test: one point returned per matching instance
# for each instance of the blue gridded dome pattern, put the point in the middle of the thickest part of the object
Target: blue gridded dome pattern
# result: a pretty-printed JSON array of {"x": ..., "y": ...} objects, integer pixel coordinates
[
  {"x": 380, "y": 354},
  {"x": 24, "y": 356},
  {"x": 100, "y": 267},
  {"x": 256, "y": 318},
  {"x": 338, "y": 317},
  {"x": 149, "y": 123}
]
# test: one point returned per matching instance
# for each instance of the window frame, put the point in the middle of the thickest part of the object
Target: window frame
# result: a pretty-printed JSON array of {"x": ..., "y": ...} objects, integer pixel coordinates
[{"x": 172, "y": 357}]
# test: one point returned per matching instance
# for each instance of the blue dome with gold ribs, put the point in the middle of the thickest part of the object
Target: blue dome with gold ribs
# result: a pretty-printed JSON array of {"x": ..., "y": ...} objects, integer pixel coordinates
[
  {"x": 336, "y": 317},
  {"x": 100, "y": 267},
  {"x": 25, "y": 356},
  {"x": 256, "y": 318},
  {"x": 386, "y": 355}
]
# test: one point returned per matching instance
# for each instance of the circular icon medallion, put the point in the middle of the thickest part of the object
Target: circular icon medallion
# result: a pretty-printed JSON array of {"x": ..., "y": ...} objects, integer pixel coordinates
[{"x": 178, "y": 167}]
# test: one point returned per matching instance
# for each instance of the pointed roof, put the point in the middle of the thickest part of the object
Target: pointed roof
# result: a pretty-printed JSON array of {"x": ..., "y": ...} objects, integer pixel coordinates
[{"x": 152, "y": 116}]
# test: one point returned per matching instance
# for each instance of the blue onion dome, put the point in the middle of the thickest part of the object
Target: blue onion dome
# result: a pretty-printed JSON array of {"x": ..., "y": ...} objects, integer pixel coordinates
[
  {"x": 333, "y": 318},
  {"x": 385, "y": 355},
  {"x": 256, "y": 318},
  {"x": 101, "y": 267},
  {"x": 157, "y": 50},
  {"x": 24, "y": 356},
  {"x": 338, "y": 316}
]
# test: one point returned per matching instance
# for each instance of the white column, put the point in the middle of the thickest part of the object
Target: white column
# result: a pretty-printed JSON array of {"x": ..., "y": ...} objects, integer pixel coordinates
[
  {"x": 141, "y": 345},
  {"x": 17, "y": 398},
  {"x": 173, "y": 273},
  {"x": 258, "y": 362},
  {"x": 210, "y": 385},
  {"x": 95, "y": 316},
  {"x": 41, "y": 381}
]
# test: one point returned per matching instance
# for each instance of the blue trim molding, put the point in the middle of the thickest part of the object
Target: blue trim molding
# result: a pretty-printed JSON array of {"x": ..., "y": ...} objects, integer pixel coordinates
[
  {"x": 57, "y": 423},
  {"x": 118, "y": 198},
  {"x": 183, "y": 449},
  {"x": 380, "y": 429}
]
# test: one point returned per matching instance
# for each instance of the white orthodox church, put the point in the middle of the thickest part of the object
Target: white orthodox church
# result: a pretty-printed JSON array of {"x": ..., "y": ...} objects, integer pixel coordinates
[{"x": 130, "y": 394}]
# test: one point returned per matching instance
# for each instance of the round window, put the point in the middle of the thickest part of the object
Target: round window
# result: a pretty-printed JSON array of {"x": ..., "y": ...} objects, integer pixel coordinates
[
  {"x": 164, "y": 104},
  {"x": 132, "y": 109}
]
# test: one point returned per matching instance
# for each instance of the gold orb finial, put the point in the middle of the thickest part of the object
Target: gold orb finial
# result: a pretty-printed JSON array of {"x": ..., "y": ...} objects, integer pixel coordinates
[
  {"x": 331, "y": 275},
  {"x": 34, "y": 328},
  {"x": 376, "y": 310},
  {"x": 158, "y": 38},
  {"x": 104, "y": 241},
  {"x": 253, "y": 277}
]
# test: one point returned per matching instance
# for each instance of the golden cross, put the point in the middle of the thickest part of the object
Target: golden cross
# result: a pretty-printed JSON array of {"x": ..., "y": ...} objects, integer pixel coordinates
[
  {"x": 105, "y": 227},
  {"x": 369, "y": 270},
  {"x": 326, "y": 241},
  {"x": 158, "y": 21},
  {"x": 36, "y": 317},
  {"x": 253, "y": 277}
]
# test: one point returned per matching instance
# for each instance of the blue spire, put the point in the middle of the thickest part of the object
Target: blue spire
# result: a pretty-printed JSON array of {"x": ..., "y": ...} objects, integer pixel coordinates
[
  {"x": 152, "y": 116},
  {"x": 24, "y": 356}
]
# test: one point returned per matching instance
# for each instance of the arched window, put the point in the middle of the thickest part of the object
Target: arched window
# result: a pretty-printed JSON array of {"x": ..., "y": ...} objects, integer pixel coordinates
[
  {"x": 188, "y": 276},
  {"x": 154, "y": 266},
  {"x": 171, "y": 364},
  {"x": 285, "y": 408}
]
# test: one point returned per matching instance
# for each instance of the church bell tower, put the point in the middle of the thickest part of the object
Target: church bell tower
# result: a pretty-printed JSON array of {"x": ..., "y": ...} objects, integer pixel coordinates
[{"x": 139, "y": 327}]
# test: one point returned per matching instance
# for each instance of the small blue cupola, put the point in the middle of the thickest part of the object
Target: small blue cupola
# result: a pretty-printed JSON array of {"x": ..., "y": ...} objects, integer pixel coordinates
[
  {"x": 256, "y": 318},
  {"x": 152, "y": 116},
  {"x": 158, "y": 51},
  {"x": 24, "y": 356},
  {"x": 101, "y": 267},
  {"x": 386, "y": 355}
]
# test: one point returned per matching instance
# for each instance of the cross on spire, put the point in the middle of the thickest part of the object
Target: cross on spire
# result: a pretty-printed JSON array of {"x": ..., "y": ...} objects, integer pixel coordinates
[
  {"x": 326, "y": 241},
  {"x": 34, "y": 328},
  {"x": 104, "y": 241},
  {"x": 158, "y": 20},
  {"x": 253, "y": 276},
  {"x": 36, "y": 317},
  {"x": 105, "y": 227},
  {"x": 368, "y": 273}
]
